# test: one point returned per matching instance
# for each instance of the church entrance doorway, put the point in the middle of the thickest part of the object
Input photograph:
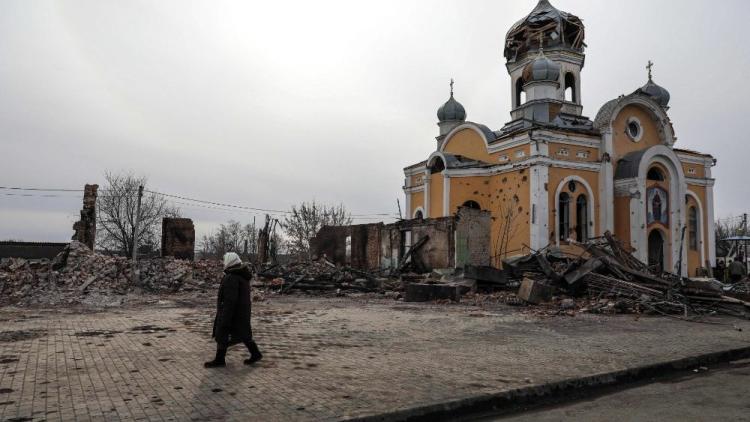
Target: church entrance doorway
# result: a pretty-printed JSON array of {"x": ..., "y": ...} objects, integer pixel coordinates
[{"x": 656, "y": 250}]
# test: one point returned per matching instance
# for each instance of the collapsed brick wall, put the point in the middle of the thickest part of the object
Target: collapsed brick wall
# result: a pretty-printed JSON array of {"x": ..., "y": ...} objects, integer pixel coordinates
[
  {"x": 85, "y": 228},
  {"x": 371, "y": 246},
  {"x": 178, "y": 238},
  {"x": 357, "y": 246},
  {"x": 438, "y": 252}
]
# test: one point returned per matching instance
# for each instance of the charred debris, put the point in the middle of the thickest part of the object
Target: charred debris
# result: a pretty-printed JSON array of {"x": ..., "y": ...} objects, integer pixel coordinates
[{"x": 598, "y": 276}]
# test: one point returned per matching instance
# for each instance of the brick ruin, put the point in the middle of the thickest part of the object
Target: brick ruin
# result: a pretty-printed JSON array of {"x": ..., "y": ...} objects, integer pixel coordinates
[
  {"x": 85, "y": 228},
  {"x": 451, "y": 242},
  {"x": 178, "y": 238}
]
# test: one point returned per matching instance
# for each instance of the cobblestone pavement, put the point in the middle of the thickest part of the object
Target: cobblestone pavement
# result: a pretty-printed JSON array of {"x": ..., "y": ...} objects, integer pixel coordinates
[{"x": 325, "y": 359}]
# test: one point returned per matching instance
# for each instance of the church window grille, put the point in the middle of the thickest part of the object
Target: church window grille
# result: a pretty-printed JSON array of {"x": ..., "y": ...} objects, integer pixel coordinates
[
  {"x": 693, "y": 228},
  {"x": 563, "y": 212},
  {"x": 520, "y": 153},
  {"x": 582, "y": 154},
  {"x": 582, "y": 218},
  {"x": 563, "y": 152}
]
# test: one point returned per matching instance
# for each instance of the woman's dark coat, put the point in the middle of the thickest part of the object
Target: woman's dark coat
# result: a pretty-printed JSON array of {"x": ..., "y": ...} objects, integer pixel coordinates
[{"x": 232, "y": 322}]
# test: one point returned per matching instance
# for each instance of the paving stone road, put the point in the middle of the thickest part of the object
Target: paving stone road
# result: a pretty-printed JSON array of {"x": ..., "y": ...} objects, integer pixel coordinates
[{"x": 325, "y": 359}]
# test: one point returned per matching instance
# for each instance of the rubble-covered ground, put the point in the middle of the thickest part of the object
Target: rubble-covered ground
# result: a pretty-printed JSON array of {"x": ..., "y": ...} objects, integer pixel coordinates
[
  {"x": 601, "y": 277},
  {"x": 81, "y": 276}
]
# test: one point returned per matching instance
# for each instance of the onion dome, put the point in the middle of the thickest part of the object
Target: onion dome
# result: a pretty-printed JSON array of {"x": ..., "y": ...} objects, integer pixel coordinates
[
  {"x": 656, "y": 92},
  {"x": 541, "y": 69},
  {"x": 558, "y": 29},
  {"x": 452, "y": 110}
]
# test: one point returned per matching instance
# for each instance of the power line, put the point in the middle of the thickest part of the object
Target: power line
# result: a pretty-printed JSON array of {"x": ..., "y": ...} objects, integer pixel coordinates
[
  {"x": 217, "y": 203},
  {"x": 30, "y": 195},
  {"x": 40, "y": 189},
  {"x": 213, "y": 205}
]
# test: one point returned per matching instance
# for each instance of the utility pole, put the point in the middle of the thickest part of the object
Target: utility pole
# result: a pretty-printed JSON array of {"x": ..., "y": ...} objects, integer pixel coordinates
[
  {"x": 744, "y": 241},
  {"x": 398, "y": 204},
  {"x": 136, "y": 280}
]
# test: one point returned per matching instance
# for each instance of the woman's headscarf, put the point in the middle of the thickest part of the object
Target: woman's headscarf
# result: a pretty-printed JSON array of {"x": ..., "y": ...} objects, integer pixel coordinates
[{"x": 231, "y": 259}]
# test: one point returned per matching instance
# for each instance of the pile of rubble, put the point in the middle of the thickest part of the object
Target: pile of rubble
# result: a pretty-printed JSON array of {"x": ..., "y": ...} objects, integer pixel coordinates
[
  {"x": 321, "y": 276},
  {"x": 78, "y": 274},
  {"x": 612, "y": 280}
]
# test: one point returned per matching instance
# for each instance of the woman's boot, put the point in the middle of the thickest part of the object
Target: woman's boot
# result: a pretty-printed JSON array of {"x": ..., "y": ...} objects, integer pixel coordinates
[
  {"x": 255, "y": 354},
  {"x": 218, "y": 361}
]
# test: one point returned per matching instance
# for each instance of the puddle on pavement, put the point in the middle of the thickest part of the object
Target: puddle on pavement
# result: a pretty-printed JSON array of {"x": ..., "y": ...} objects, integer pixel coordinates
[
  {"x": 20, "y": 335},
  {"x": 8, "y": 359},
  {"x": 97, "y": 333},
  {"x": 150, "y": 329}
]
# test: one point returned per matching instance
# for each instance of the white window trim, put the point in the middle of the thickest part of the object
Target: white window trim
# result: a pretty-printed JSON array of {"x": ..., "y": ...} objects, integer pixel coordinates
[{"x": 633, "y": 119}]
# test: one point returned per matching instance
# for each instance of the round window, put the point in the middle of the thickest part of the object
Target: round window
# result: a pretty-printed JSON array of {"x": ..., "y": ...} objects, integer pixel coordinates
[{"x": 633, "y": 129}]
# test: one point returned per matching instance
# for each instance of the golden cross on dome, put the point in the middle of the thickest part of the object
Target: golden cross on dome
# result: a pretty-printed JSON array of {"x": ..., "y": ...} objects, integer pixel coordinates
[{"x": 649, "y": 66}]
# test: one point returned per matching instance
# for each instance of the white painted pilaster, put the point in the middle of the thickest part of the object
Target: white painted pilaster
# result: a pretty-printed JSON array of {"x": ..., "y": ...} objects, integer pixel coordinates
[
  {"x": 539, "y": 207},
  {"x": 606, "y": 187},
  {"x": 446, "y": 195},
  {"x": 710, "y": 223},
  {"x": 427, "y": 194}
]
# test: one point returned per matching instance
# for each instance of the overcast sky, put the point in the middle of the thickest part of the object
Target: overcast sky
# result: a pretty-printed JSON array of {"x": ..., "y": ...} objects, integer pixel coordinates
[{"x": 266, "y": 104}]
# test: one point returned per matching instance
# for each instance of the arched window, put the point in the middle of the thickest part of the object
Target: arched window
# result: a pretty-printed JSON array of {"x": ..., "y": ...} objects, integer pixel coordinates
[
  {"x": 520, "y": 94},
  {"x": 654, "y": 173},
  {"x": 563, "y": 213},
  {"x": 437, "y": 166},
  {"x": 472, "y": 204},
  {"x": 582, "y": 218},
  {"x": 418, "y": 215},
  {"x": 693, "y": 228},
  {"x": 570, "y": 88}
]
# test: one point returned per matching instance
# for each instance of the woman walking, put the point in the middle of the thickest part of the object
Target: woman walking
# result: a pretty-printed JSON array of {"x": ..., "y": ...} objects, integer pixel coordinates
[{"x": 232, "y": 322}]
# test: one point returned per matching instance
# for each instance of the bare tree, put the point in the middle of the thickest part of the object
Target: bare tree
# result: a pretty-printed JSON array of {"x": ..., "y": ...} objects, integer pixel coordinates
[
  {"x": 304, "y": 222},
  {"x": 116, "y": 212},
  {"x": 230, "y": 237}
]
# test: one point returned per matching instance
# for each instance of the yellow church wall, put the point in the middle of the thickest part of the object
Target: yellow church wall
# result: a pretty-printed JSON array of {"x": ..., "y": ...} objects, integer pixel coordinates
[
  {"x": 468, "y": 143},
  {"x": 622, "y": 143},
  {"x": 556, "y": 176},
  {"x": 509, "y": 202},
  {"x": 417, "y": 200},
  {"x": 693, "y": 170},
  {"x": 572, "y": 153},
  {"x": 436, "y": 195},
  {"x": 622, "y": 219},
  {"x": 507, "y": 197},
  {"x": 416, "y": 180},
  {"x": 475, "y": 188}
]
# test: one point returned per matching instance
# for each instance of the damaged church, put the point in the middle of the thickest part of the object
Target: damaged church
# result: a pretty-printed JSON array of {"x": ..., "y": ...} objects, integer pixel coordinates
[{"x": 551, "y": 175}]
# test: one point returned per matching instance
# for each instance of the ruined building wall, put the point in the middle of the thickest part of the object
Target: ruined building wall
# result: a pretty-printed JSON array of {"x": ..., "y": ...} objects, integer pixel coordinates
[
  {"x": 85, "y": 228},
  {"x": 178, "y": 238},
  {"x": 473, "y": 237},
  {"x": 372, "y": 246}
]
